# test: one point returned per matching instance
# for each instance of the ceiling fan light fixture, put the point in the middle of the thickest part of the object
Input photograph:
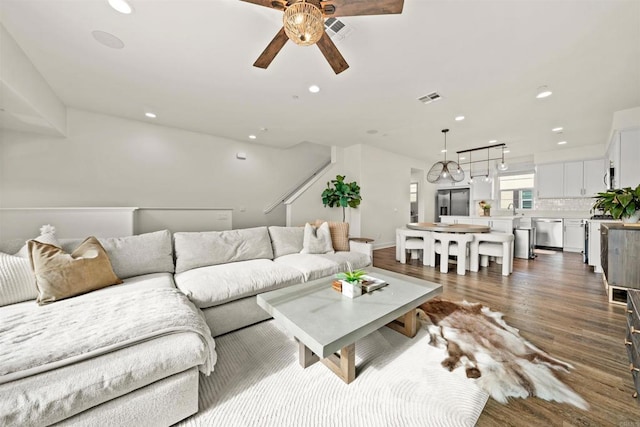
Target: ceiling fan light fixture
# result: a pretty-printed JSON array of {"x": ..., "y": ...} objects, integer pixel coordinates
[{"x": 303, "y": 22}]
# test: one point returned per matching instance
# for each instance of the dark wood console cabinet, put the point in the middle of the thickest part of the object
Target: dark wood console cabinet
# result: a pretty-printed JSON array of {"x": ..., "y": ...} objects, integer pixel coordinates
[
  {"x": 632, "y": 341},
  {"x": 620, "y": 252}
]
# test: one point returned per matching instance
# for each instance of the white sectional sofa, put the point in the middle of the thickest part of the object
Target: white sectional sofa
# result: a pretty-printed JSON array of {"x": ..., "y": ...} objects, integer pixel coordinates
[{"x": 151, "y": 379}]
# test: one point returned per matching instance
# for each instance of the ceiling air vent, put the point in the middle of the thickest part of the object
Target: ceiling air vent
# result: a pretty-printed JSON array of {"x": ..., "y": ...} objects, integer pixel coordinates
[
  {"x": 337, "y": 29},
  {"x": 429, "y": 98}
]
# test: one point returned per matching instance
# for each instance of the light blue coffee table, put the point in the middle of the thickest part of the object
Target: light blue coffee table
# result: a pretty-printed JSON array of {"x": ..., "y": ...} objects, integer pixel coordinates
[{"x": 325, "y": 322}]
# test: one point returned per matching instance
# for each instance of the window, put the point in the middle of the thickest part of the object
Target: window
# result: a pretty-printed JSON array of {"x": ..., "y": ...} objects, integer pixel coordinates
[
  {"x": 516, "y": 189},
  {"x": 413, "y": 192}
]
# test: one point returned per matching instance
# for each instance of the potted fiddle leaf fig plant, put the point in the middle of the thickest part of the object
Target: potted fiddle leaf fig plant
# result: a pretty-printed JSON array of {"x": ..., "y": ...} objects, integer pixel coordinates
[
  {"x": 621, "y": 203},
  {"x": 342, "y": 194}
]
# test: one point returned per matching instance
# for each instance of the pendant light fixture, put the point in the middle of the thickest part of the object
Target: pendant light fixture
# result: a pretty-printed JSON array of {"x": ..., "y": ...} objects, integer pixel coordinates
[
  {"x": 487, "y": 177},
  {"x": 503, "y": 166},
  {"x": 445, "y": 171}
]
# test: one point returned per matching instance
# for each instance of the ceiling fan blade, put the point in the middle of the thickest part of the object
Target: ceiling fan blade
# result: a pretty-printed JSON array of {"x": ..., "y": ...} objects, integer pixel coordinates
[
  {"x": 331, "y": 53},
  {"x": 272, "y": 4},
  {"x": 362, "y": 7},
  {"x": 271, "y": 50}
]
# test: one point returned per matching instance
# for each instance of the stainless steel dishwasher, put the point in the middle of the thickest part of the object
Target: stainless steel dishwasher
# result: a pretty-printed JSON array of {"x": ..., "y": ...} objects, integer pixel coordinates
[{"x": 549, "y": 232}]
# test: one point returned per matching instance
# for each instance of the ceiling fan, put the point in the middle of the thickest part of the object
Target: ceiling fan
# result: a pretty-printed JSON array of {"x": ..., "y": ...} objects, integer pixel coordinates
[{"x": 303, "y": 23}]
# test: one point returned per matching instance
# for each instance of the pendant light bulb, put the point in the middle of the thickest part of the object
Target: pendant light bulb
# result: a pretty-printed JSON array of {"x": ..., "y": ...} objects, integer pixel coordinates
[{"x": 503, "y": 166}]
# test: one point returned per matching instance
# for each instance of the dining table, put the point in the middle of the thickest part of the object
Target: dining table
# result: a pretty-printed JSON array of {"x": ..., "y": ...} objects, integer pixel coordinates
[{"x": 448, "y": 228}]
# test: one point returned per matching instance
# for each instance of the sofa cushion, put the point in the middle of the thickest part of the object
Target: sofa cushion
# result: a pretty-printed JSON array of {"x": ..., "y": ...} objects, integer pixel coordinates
[
  {"x": 316, "y": 240},
  {"x": 339, "y": 234},
  {"x": 60, "y": 275},
  {"x": 136, "y": 255},
  {"x": 47, "y": 235},
  {"x": 200, "y": 249},
  {"x": 286, "y": 240},
  {"x": 16, "y": 280},
  {"x": 217, "y": 284},
  {"x": 312, "y": 266},
  {"x": 357, "y": 260}
]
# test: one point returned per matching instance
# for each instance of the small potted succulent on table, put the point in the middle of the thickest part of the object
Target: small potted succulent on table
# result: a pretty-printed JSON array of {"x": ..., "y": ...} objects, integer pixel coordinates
[{"x": 351, "y": 282}]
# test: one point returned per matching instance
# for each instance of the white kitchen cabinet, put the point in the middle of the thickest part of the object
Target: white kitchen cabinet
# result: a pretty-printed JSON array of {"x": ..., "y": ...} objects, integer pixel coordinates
[
  {"x": 456, "y": 220},
  {"x": 584, "y": 178},
  {"x": 573, "y": 240},
  {"x": 573, "y": 179},
  {"x": 629, "y": 172},
  {"x": 595, "y": 176},
  {"x": 550, "y": 181}
]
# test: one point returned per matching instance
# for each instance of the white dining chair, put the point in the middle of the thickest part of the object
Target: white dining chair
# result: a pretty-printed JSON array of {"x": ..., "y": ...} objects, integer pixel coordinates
[
  {"x": 451, "y": 244},
  {"x": 415, "y": 240},
  {"x": 498, "y": 245}
]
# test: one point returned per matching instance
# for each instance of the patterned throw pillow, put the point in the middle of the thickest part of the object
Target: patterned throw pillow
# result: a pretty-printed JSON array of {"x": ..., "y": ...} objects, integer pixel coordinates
[
  {"x": 61, "y": 275},
  {"x": 339, "y": 234},
  {"x": 317, "y": 240},
  {"x": 17, "y": 283}
]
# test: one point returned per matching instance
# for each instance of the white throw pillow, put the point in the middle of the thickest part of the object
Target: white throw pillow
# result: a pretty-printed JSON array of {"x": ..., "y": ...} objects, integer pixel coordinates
[
  {"x": 17, "y": 282},
  {"x": 286, "y": 240},
  {"x": 47, "y": 235},
  {"x": 317, "y": 240}
]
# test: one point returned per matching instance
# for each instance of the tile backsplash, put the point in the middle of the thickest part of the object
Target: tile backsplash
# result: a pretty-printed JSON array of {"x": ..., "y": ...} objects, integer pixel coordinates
[{"x": 563, "y": 204}]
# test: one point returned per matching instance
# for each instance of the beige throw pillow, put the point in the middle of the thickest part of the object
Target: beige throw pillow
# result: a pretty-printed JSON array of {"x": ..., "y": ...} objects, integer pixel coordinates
[
  {"x": 60, "y": 275},
  {"x": 317, "y": 240},
  {"x": 339, "y": 234}
]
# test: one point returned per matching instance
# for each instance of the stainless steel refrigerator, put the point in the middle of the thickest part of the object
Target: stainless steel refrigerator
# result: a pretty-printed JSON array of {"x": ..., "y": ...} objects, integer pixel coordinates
[{"x": 452, "y": 202}]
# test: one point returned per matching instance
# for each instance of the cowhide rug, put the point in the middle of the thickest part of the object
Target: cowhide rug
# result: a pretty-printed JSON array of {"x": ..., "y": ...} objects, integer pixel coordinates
[{"x": 502, "y": 362}]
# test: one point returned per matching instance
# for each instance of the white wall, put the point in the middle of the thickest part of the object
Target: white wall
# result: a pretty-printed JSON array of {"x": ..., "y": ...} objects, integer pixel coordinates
[
  {"x": 571, "y": 154},
  {"x": 109, "y": 161},
  {"x": 25, "y": 96},
  {"x": 384, "y": 178}
]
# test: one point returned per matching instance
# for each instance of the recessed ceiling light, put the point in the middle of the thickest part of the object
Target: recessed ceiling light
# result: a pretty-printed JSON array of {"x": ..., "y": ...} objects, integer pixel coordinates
[
  {"x": 121, "y": 6},
  {"x": 151, "y": 115},
  {"x": 543, "y": 92},
  {"x": 314, "y": 89},
  {"x": 562, "y": 142},
  {"x": 493, "y": 141},
  {"x": 107, "y": 39},
  {"x": 459, "y": 118},
  {"x": 252, "y": 137},
  {"x": 558, "y": 129},
  {"x": 462, "y": 158},
  {"x": 443, "y": 151},
  {"x": 507, "y": 151}
]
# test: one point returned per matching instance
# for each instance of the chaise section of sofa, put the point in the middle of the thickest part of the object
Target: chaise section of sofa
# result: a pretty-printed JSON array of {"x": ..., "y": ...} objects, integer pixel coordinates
[{"x": 152, "y": 380}]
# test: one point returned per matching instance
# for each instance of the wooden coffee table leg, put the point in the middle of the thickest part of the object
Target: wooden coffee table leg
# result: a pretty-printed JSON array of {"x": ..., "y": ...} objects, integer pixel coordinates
[
  {"x": 406, "y": 325},
  {"x": 344, "y": 366},
  {"x": 306, "y": 356}
]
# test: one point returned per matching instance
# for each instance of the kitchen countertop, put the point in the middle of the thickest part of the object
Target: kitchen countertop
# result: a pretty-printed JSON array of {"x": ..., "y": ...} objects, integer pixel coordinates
[{"x": 623, "y": 226}]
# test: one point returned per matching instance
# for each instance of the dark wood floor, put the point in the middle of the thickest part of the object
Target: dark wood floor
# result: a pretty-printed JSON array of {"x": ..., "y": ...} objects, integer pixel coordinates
[{"x": 560, "y": 305}]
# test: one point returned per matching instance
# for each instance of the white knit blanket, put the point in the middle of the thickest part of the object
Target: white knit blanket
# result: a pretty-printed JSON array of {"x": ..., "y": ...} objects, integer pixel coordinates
[{"x": 40, "y": 338}]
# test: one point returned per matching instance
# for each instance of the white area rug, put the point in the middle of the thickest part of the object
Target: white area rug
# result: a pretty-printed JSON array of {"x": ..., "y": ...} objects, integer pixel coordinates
[{"x": 257, "y": 381}]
